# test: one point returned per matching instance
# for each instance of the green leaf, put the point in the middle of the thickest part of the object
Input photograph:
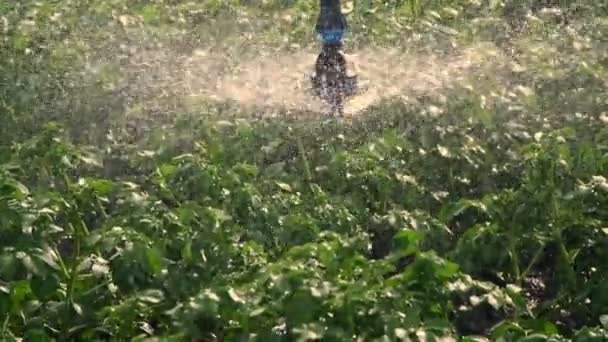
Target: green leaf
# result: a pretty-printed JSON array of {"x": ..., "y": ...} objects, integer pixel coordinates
[
  {"x": 407, "y": 240},
  {"x": 284, "y": 186},
  {"x": 91, "y": 160},
  {"x": 257, "y": 312},
  {"x": 438, "y": 325},
  {"x": 540, "y": 326},
  {"x": 155, "y": 259},
  {"x": 15, "y": 188},
  {"x": 37, "y": 335},
  {"x": 507, "y": 330},
  {"x": 309, "y": 332},
  {"x": 8, "y": 266},
  {"x": 300, "y": 308},
  {"x": 535, "y": 338},
  {"x": 167, "y": 170},
  {"x": 101, "y": 186},
  {"x": 19, "y": 292},
  {"x": 77, "y": 308},
  {"x": 218, "y": 215},
  {"x": 449, "y": 269},
  {"x": 235, "y": 296},
  {"x": 453, "y": 210},
  {"x": 32, "y": 266},
  {"x": 49, "y": 258},
  {"x": 44, "y": 288},
  {"x": 151, "y": 296},
  {"x": 186, "y": 252}
]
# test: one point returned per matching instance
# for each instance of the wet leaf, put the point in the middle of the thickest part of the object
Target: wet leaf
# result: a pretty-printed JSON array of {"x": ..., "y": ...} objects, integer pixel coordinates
[
  {"x": 151, "y": 296},
  {"x": 284, "y": 186},
  {"x": 235, "y": 296}
]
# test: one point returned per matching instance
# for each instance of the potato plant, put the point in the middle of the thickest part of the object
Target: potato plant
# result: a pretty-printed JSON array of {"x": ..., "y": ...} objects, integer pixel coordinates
[{"x": 488, "y": 221}]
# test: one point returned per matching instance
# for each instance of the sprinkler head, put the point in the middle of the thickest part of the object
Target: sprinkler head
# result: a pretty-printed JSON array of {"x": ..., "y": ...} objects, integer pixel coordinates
[
  {"x": 331, "y": 23},
  {"x": 330, "y": 3}
]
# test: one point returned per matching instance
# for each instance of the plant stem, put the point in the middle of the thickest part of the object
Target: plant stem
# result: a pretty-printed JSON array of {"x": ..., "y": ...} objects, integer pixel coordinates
[
  {"x": 535, "y": 258},
  {"x": 307, "y": 172},
  {"x": 514, "y": 260},
  {"x": 69, "y": 300}
]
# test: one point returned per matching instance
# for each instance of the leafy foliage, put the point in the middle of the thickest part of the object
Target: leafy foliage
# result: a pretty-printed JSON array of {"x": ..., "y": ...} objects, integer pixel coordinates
[{"x": 401, "y": 224}]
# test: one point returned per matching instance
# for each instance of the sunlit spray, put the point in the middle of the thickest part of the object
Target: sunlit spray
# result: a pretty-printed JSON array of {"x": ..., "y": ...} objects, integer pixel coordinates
[{"x": 330, "y": 81}]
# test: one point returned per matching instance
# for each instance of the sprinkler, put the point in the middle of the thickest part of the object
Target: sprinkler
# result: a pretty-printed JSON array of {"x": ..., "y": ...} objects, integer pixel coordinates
[{"x": 330, "y": 81}]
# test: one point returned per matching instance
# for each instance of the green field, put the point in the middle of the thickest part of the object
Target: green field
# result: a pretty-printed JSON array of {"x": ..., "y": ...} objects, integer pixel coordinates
[{"x": 161, "y": 181}]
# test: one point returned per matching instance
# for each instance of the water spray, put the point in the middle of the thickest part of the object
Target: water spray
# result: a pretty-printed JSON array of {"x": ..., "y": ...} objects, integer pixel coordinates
[{"x": 330, "y": 80}]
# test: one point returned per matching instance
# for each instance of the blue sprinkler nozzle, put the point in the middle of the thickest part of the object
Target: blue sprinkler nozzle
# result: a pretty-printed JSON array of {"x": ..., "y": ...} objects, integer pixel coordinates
[{"x": 331, "y": 23}]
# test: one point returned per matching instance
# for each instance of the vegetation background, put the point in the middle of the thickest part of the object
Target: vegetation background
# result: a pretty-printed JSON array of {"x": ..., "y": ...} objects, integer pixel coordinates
[{"x": 143, "y": 196}]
